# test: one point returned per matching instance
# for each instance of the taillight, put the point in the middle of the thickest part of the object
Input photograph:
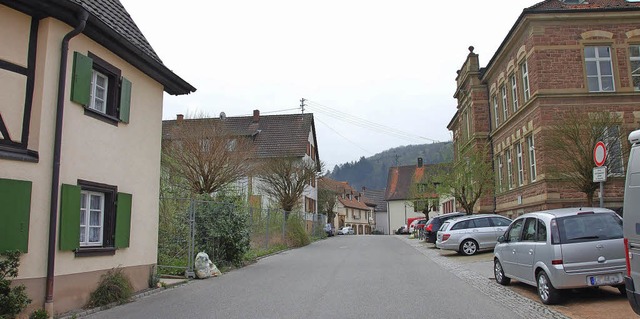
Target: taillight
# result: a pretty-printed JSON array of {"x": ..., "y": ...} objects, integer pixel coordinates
[
  {"x": 429, "y": 227},
  {"x": 445, "y": 237},
  {"x": 556, "y": 262},
  {"x": 627, "y": 256}
]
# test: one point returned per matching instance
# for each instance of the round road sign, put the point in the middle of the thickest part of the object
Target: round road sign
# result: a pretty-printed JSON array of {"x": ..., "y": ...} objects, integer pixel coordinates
[{"x": 599, "y": 154}]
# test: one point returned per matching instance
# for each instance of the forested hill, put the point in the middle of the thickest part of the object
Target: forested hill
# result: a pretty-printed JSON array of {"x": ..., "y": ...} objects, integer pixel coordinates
[{"x": 372, "y": 172}]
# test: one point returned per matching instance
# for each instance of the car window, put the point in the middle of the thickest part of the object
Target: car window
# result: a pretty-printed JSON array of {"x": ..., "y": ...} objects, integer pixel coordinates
[
  {"x": 481, "y": 222},
  {"x": 541, "y": 231},
  {"x": 461, "y": 225},
  {"x": 513, "y": 234},
  {"x": 499, "y": 221},
  {"x": 589, "y": 227},
  {"x": 444, "y": 226},
  {"x": 529, "y": 233}
]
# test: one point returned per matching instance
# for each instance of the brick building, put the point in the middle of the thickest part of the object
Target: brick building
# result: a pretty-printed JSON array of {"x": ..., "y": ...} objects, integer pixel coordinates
[{"x": 559, "y": 55}]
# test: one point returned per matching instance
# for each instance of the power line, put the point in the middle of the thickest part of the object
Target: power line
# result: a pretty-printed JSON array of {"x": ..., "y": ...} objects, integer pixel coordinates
[{"x": 346, "y": 138}]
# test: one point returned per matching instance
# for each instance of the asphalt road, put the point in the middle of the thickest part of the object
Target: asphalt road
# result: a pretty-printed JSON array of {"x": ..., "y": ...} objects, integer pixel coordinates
[{"x": 343, "y": 276}]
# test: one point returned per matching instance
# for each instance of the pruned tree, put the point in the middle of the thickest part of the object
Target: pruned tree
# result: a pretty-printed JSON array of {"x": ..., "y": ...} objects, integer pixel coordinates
[
  {"x": 284, "y": 179},
  {"x": 570, "y": 144},
  {"x": 204, "y": 156},
  {"x": 468, "y": 179},
  {"x": 423, "y": 195},
  {"x": 327, "y": 200}
]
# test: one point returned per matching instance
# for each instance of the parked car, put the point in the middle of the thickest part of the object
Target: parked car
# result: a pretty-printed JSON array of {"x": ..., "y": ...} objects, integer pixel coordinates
[
  {"x": 402, "y": 230},
  {"x": 631, "y": 209},
  {"x": 329, "y": 230},
  {"x": 469, "y": 234},
  {"x": 414, "y": 223},
  {"x": 562, "y": 249},
  {"x": 346, "y": 230},
  {"x": 433, "y": 224}
]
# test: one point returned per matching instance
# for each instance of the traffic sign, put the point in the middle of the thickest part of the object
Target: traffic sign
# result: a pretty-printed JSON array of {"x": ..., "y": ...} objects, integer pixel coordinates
[
  {"x": 600, "y": 174},
  {"x": 599, "y": 154}
]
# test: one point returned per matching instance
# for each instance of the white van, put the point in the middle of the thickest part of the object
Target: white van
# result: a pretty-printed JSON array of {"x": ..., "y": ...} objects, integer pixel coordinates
[{"x": 631, "y": 223}]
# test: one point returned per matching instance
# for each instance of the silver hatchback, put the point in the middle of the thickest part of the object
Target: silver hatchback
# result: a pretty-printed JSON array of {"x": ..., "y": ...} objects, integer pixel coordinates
[
  {"x": 562, "y": 249},
  {"x": 472, "y": 233}
]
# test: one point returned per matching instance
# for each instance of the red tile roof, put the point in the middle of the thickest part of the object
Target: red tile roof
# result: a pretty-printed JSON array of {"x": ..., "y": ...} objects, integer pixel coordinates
[
  {"x": 555, "y": 5},
  {"x": 402, "y": 178}
]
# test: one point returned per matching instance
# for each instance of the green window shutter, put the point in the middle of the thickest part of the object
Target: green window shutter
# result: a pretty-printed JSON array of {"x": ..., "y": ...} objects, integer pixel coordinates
[
  {"x": 123, "y": 220},
  {"x": 15, "y": 207},
  {"x": 125, "y": 100},
  {"x": 81, "y": 81},
  {"x": 69, "y": 217}
]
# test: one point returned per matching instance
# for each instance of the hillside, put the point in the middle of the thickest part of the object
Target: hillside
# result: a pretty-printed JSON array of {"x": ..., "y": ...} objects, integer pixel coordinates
[{"x": 372, "y": 172}]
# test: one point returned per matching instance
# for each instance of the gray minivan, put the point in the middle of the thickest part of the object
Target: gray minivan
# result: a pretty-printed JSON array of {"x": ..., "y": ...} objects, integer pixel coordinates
[{"x": 631, "y": 224}]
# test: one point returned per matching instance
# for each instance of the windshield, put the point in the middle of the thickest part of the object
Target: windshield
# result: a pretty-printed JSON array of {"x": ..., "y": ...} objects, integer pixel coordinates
[{"x": 588, "y": 227}]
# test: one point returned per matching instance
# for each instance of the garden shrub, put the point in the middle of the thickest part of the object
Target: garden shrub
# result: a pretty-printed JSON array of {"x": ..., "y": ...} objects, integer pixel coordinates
[
  {"x": 39, "y": 314},
  {"x": 114, "y": 286},
  {"x": 296, "y": 234},
  {"x": 12, "y": 299}
]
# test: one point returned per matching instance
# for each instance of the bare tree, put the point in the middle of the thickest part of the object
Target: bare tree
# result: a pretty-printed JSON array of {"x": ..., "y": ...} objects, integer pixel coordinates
[
  {"x": 205, "y": 155},
  {"x": 327, "y": 200},
  {"x": 423, "y": 195},
  {"x": 285, "y": 179},
  {"x": 570, "y": 144},
  {"x": 468, "y": 179}
]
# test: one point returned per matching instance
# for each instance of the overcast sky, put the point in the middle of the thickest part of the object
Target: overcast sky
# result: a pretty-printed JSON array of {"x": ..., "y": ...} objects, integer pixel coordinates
[{"x": 376, "y": 74}]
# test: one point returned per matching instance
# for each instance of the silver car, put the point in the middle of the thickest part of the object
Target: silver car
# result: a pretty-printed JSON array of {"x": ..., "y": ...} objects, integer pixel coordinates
[
  {"x": 562, "y": 249},
  {"x": 472, "y": 233}
]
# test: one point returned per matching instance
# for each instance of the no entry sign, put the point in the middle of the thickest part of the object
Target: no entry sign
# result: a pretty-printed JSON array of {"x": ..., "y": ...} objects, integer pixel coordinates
[{"x": 599, "y": 154}]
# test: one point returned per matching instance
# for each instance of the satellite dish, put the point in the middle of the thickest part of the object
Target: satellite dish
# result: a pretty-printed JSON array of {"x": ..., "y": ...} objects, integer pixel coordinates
[{"x": 223, "y": 116}]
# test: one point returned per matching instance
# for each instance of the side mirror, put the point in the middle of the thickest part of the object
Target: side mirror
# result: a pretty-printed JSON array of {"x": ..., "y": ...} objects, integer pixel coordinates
[{"x": 501, "y": 239}]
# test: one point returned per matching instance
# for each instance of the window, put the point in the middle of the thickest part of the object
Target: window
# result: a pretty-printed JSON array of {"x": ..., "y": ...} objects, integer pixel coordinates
[
  {"x": 500, "y": 221},
  {"x": 505, "y": 112},
  {"x": 599, "y": 68},
  {"x": 509, "y": 170},
  {"x": 529, "y": 233},
  {"x": 612, "y": 139},
  {"x": 468, "y": 124},
  {"x": 515, "y": 230},
  {"x": 541, "y": 231},
  {"x": 499, "y": 173},
  {"x": 481, "y": 222},
  {"x": 520, "y": 164},
  {"x": 524, "y": 69},
  {"x": 99, "y": 87},
  {"x": 90, "y": 220},
  {"x": 634, "y": 54},
  {"x": 495, "y": 110},
  {"x": 514, "y": 93},
  {"x": 532, "y": 158}
]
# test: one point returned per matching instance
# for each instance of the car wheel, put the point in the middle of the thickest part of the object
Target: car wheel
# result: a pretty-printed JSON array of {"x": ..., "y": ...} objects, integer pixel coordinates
[
  {"x": 499, "y": 273},
  {"x": 622, "y": 289},
  {"x": 469, "y": 247},
  {"x": 547, "y": 293}
]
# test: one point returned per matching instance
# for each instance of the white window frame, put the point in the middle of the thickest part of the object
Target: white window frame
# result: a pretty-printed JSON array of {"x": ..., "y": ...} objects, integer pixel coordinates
[
  {"x": 495, "y": 110},
  {"x": 634, "y": 58},
  {"x": 93, "y": 96},
  {"x": 509, "y": 169},
  {"x": 524, "y": 71},
  {"x": 499, "y": 173},
  {"x": 505, "y": 108},
  {"x": 86, "y": 212},
  {"x": 598, "y": 59},
  {"x": 532, "y": 158},
  {"x": 520, "y": 164},
  {"x": 514, "y": 92}
]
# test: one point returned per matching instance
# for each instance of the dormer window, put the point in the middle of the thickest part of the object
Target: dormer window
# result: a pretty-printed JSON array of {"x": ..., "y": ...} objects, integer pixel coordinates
[{"x": 573, "y": 1}]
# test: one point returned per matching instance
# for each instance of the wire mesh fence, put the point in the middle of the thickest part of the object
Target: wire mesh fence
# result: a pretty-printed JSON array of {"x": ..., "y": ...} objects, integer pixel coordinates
[{"x": 222, "y": 229}]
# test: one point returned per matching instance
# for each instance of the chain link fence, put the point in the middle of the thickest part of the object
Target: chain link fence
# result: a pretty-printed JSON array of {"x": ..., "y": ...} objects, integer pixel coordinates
[{"x": 187, "y": 226}]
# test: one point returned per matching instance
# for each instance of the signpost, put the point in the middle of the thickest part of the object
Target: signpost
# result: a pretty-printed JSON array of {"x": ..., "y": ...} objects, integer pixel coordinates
[{"x": 600, "y": 172}]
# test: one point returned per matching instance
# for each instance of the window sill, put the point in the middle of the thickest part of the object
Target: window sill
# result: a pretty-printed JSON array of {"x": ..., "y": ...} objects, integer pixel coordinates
[
  {"x": 18, "y": 154},
  {"x": 101, "y": 116},
  {"x": 95, "y": 251}
]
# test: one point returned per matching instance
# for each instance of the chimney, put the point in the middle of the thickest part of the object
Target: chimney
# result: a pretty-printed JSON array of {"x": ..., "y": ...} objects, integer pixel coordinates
[
  {"x": 256, "y": 116},
  {"x": 179, "y": 118},
  {"x": 419, "y": 161}
]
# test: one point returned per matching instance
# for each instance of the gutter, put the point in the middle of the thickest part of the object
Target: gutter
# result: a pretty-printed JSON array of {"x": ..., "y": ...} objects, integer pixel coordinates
[{"x": 57, "y": 146}]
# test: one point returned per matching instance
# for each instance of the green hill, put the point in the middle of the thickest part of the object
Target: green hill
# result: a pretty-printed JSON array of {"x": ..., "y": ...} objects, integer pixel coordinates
[{"x": 372, "y": 172}]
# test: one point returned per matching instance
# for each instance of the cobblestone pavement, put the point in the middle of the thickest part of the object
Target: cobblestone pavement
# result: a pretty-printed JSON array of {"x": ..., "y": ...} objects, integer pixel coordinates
[{"x": 521, "y": 305}]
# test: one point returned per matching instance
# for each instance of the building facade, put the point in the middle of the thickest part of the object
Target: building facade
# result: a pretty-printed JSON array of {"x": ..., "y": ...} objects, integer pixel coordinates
[
  {"x": 559, "y": 58},
  {"x": 80, "y": 124}
]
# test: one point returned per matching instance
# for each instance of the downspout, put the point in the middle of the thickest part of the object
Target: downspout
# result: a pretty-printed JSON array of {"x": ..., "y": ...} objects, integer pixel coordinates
[
  {"x": 57, "y": 146},
  {"x": 491, "y": 154}
]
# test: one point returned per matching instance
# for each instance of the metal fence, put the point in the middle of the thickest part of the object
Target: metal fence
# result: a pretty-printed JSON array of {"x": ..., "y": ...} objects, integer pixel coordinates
[{"x": 187, "y": 226}]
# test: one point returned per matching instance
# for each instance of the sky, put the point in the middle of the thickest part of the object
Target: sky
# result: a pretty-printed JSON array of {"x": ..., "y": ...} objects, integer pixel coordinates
[{"x": 375, "y": 74}]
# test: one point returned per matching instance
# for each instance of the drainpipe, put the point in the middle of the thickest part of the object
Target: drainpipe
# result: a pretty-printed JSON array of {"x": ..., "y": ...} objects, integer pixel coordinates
[{"x": 55, "y": 179}]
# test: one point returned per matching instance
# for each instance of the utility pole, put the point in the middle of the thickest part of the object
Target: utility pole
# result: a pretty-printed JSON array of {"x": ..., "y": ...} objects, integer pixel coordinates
[
  {"x": 302, "y": 105},
  {"x": 397, "y": 157}
]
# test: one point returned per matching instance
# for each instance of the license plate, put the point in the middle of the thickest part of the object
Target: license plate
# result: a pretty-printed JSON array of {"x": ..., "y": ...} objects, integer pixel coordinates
[{"x": 608, "y": 279}]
